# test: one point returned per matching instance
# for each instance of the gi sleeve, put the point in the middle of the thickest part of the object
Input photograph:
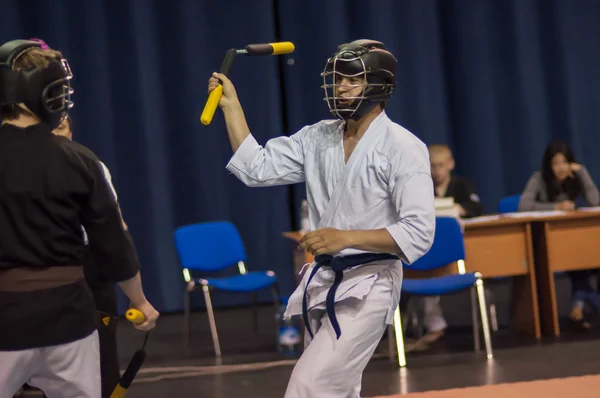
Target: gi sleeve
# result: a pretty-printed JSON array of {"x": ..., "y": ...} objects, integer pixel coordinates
[
  {"x": 590, "y": 191},
  {"x": 108, "y": 239},
  {"x": 411, "y": 189},
  {"x": 279, "y": 162}
]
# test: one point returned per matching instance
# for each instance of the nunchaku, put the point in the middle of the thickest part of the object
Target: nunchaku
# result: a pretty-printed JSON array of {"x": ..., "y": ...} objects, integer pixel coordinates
[
  {"x": 136, "y": 317},
  {"x": 284, "y": 47}
]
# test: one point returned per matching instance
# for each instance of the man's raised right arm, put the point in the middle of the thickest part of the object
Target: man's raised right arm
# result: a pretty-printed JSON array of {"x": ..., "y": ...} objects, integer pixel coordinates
[{"x": 279, "y": 162}]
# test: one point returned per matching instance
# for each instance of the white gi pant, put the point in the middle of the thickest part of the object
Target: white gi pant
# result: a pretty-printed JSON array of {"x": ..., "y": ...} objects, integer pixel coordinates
[
  {"x": 69, "y": 370},
  {"x": 433, "y": 318},
  {"x": 330, "y": 368}
]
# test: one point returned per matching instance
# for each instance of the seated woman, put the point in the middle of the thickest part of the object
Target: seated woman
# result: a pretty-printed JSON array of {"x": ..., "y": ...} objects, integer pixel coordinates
[{"x": 557, "y": 186}]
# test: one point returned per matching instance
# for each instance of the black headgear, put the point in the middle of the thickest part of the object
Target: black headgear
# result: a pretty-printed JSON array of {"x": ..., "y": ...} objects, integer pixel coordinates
[
  {"x": 367, "y": 59},
  {"x": 45, "y": 91}
]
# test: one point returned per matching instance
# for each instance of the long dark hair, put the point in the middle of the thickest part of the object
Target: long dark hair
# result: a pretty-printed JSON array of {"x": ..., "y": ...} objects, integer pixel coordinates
[{"x": 571, "y": 186}]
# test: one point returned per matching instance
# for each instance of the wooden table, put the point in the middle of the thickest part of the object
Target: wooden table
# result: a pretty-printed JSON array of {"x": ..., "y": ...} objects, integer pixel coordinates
[
  {"x": 503, "y": 248},
  {"x": 565, "y": 242},
  {"x": 496, "y": 248}
]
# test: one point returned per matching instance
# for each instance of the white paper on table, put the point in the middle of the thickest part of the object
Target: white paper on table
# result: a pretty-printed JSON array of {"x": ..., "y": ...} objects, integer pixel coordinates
[
  {"x": 481, "y": 219},
  {"x": 592, "y": 208},
  {"x": 524, "y": 214}
]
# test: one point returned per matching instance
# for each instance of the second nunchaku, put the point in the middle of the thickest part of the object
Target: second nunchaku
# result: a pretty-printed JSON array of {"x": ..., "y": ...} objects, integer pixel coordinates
[{"x": 136, "y": 317}]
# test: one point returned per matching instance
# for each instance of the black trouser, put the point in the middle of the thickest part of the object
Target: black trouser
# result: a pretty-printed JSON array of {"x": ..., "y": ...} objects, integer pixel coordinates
[
  {"x": 581, "y": 281},
  {"x": 106, "y": 304},
  {"x": 581, "y": 287}
]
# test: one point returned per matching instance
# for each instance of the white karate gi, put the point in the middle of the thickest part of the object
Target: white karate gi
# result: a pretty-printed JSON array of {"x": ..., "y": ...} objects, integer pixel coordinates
[
  {"x": 386, "y": 183},
  {"x": 70, "y": 370}
]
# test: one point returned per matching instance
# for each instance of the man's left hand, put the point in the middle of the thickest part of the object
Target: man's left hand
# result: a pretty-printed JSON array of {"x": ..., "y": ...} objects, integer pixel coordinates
[{"x": 324, "y": 241}]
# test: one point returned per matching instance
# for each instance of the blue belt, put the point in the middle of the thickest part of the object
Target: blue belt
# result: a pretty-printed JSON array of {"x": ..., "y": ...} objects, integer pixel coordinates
[{"x": 338, "y": 265}]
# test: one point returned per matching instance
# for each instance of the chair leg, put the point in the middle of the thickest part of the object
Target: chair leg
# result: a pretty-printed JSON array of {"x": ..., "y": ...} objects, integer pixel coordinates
[
  {"x": 484, "y": 319},
  {"x": 399, "y": 338},
  {"x": 493, "y": 317},
  {"x": 489, "y": 296},
  {"x": 277, "y": 304},
  {"x": 391, "y": 339},
  {"x": 211, "y": 320},
  {"x": 255, "y": 313},
  {"x": 405, "y": 321},
  {"x": 414, "y": 311},
  {"x": 475, "y": 320},
  {"x": 416, "y": 326},
  {"x": 275, "y": 291},
  {"x": 187, "y": 325}
]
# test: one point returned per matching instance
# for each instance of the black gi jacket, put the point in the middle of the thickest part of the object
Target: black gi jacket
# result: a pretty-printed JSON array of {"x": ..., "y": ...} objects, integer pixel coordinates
[{"x": 50, "y": 186}]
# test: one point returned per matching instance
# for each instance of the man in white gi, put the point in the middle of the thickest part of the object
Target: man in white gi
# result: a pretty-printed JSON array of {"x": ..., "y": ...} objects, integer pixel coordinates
[{"x": 371, "y": 205}]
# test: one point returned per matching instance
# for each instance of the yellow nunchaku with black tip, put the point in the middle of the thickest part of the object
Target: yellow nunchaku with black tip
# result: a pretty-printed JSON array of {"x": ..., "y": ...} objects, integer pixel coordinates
[
  {"x": 136, "y": 317},
  {"x": 284, "y": 47}
]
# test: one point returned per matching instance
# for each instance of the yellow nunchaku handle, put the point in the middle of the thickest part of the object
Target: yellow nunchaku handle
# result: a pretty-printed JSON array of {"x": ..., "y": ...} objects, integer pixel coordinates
[
  {"x": 282, "y": 47},
  {"x": 211, "y": 105},
  {"x": 135, "y": 316},
  {"x": 118, "y": 392}
]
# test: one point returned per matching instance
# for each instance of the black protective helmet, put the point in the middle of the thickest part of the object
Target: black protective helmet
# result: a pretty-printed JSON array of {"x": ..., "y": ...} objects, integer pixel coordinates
[
  {"x": 45, "y": 91},
  {"x": 369, "y": 59}
]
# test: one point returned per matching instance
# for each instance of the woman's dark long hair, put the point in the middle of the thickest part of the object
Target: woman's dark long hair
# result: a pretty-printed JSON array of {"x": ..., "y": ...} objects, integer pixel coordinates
[{"x": 572, "y": 185}]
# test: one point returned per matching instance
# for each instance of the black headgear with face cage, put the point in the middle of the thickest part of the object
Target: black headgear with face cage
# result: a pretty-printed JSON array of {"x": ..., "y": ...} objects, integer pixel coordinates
[
  {"x": 367, "y": 59},
  {"x": 45, "y": 91}
]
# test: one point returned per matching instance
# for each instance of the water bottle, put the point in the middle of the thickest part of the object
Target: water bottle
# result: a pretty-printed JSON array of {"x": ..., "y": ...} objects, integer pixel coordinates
[
  {"x": 289, "y": 337},
  {"x": 304, "y": 223}
]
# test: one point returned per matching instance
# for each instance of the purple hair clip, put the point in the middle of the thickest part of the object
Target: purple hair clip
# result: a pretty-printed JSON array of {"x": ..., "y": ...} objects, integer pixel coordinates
[{"x": 44, "y": 46}]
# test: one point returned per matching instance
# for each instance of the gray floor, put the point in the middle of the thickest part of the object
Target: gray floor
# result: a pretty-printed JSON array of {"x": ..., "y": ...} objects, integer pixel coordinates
[
  {"x": 382, "y": 377},
  {"x": 449, "y": 363}
]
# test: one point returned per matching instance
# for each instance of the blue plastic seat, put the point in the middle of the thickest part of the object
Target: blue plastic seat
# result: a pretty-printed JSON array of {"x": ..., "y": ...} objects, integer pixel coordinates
[
  {"x": 447, "y": 248},
  {"x": 509, "y": 204},
  {"x": 249, "y": 282},
  {"x": 439, "y": 286},
  {"x": 215, "y": 246}
]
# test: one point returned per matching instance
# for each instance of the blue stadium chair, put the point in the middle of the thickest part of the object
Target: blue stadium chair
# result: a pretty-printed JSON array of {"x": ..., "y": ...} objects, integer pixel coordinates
[
  {"x": 210, "y": 247},
  {"x": 447, "y": 248},
  {"x": 509, "y": 204}
]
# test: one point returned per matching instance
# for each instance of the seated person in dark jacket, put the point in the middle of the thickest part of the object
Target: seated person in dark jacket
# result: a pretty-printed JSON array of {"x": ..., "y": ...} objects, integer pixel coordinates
[
  {"x": 557, "y": 186},
  {"x": 452, "y": 186}
]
